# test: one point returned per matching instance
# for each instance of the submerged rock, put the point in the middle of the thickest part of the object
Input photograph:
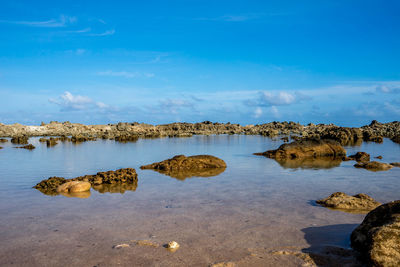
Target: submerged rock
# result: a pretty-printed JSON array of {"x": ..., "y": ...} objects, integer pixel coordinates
[
  {"x": 121, "y": 176},
  {"x": 360, "y": 157},
  {"x": 3, "y": 140},
  {"x": 360, "y": 202},
  {"x": 29, "y": 147},
  {"x": 373, "y": 166},
  {"x": 377, "y": 238},
  {"x": 119, "y": 188},
  {"x": 22, "y": 140},
  {"x": 182, "y": 167},
  {"x": 51, "y": 142},
  {"x": 307, "y": 149}
]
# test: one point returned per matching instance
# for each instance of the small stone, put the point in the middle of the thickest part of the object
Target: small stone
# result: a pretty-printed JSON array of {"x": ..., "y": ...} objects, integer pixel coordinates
[
  {"x": 74, "y": 187},
  {"x": 121, "y": 246},
  {"x": 173, "y": 245}
]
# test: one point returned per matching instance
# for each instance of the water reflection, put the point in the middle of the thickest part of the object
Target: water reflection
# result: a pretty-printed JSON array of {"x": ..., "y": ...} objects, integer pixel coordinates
[
  {"x": 85, "y": 194},
  {"x": 183, "y": 174},
  {"x": 120, "y": 188},
  {"x": 310, "y": 163},
  {"x": 115, "y": 188}
]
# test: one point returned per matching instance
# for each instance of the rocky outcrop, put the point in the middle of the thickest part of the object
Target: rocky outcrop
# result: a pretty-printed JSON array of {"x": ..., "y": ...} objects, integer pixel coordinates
[
  {"x": 51, "y": 142},
  {"x": 81, "y": 133},
  {"x": 360, "y": 157},
  {"x": 307, "y": 149},
  {"x": 182, "y": 167},
  {"x": 29, "y": 147},
  {"x": 121, "y": 176},
  {"x": 374, "y": 166},
  {"x": 377, "y": 238},
  {"x": 361, "y": 203}
]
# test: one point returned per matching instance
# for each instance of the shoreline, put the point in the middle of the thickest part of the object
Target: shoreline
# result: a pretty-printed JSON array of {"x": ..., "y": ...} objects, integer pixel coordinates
[{"x": 124, "y": 131}]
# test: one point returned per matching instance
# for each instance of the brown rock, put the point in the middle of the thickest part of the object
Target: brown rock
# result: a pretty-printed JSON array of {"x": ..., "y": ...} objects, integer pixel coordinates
[
  {"x": 396, "y": 139},
  {"x": 3, "y": 140},
  {"x": 182, "y": 167},
  {"x": 379, "y": 157},
  {"x": 360, "y": 202},
  {"x": 360, "y": 157},
  {"x": 395, "y": 164},
  {"x": 373, "y": 166},
  {"x": 307, "y": 149},
  {"x": 74, "y": 187},
  {"x": 29, "y": 147},
  {"x": 377, "y": 238}
]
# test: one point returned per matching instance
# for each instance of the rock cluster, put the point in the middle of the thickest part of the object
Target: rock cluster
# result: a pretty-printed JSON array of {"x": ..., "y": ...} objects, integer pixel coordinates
[
  {"x": 377, "y": 238},
  {"x": 358, "y": 203},
  {"x": 306, "y": 149},
  {"x": 344, "y": 135},
  {"x": 121, "y": 176},
  {"x": 182, "y": 167}
]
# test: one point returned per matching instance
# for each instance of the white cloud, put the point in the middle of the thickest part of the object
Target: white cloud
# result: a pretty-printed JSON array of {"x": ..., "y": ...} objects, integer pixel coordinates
[
  {"x": 267, "y": 99},
  {"x": 388, "y": 89},
  {"x": 258, "y": 112},
  {"x": 125, "y": 74},
  {"x": 70, "y": 102},
  {"x": 62, "y": 21}
]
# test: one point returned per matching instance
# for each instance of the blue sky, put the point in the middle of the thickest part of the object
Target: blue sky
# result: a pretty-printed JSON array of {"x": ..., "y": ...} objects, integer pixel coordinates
[{"x": 245, "y": 62}]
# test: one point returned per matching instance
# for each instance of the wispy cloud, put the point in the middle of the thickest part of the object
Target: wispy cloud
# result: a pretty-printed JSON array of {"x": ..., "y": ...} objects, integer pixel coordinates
[
  {"x": 105, "y": 33},
  {"x": 70, "y": 102},
  {"x": 62, "y": 21},
  {"x": 387, "y": 89},
  {"x": 125, "y": 74},
  {"x": 232, "y": 18}
]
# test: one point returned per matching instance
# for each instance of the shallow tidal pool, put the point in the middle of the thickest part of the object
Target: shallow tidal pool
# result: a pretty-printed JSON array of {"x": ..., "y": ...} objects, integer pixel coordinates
[{"x": 252, "y": 208}]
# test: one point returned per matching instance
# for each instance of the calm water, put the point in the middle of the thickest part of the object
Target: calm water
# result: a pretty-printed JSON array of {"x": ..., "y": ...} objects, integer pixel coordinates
[{"x": 255, "y": 205}]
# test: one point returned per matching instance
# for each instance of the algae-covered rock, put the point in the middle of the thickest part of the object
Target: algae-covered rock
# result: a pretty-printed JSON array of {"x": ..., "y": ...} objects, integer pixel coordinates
[
  {"x": 377, "y": 238},
  {"x": 126, "y": 176},
  {"x": 182, "y": 167},
  {"x": 374, "y": 166},
  {"x": 339, "y": 200}
]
